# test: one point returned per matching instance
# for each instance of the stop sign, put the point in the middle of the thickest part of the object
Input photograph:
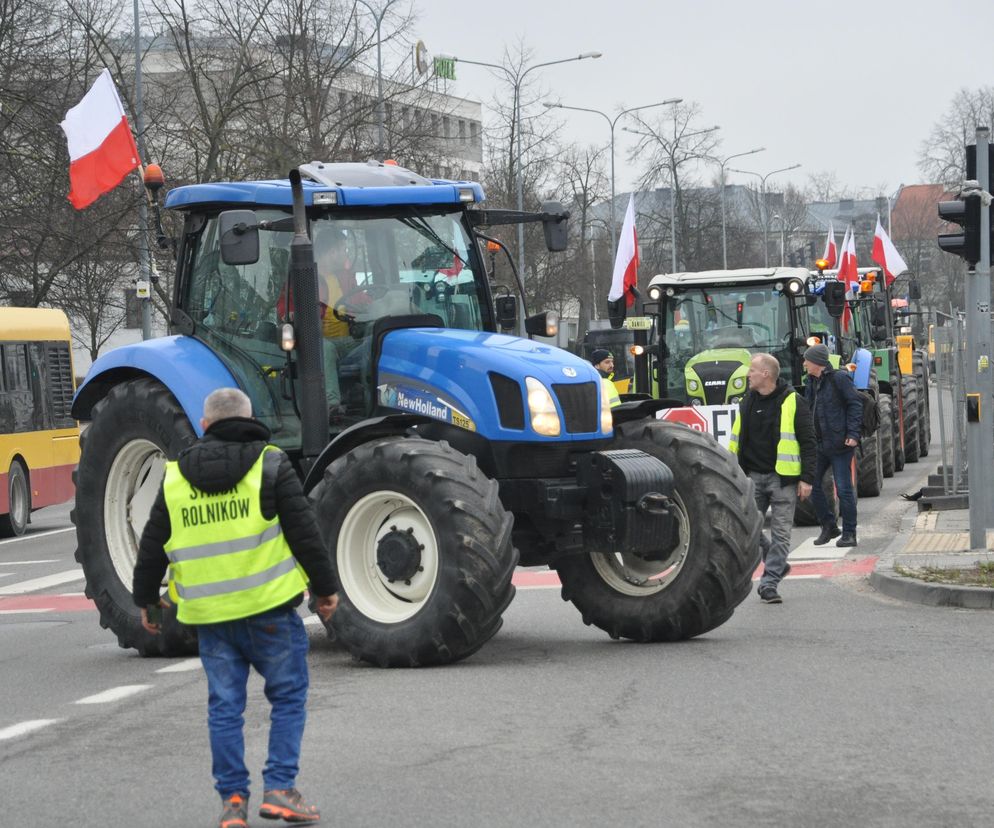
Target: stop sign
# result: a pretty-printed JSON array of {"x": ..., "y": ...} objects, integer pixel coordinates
[{"x": 687, "y": 415}]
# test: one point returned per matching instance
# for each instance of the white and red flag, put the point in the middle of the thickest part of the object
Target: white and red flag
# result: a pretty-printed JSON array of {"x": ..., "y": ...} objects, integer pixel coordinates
[
  {"x": 830, "y": 254},
  {"x": 626, "y": 262},
  {"x": 101, "y": 147},
  {"x": 848, "y": 270},
  {"x": 885, "y": 254}
]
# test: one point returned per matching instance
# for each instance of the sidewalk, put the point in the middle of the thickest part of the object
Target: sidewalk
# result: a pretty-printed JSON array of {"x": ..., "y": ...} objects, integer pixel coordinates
[{"x": 933, "y": 539}]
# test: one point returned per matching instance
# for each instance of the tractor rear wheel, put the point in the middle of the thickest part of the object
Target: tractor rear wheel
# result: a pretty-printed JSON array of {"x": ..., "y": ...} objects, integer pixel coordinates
[
  {"x": 911, "y": 421},
  {"x": 422, "y": 549},
  {"x": 134, "y": 430},
  {"x": 804, "y": 510},
  {"x": 886, "y": 435},
  {"x": 705, "y": 577},
  {"x": 869, "y": 466}
]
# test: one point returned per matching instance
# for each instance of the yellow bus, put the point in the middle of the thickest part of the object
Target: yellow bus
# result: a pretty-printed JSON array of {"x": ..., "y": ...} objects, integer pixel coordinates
[{"x": 39, "y": 440}]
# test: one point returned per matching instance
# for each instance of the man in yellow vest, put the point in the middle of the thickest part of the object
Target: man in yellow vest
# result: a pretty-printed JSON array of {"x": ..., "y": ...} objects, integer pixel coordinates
[
  {"x": 774, "y": 439},
  {"x": 603, "y": 360},
  {"x": 241, "y": 541}
]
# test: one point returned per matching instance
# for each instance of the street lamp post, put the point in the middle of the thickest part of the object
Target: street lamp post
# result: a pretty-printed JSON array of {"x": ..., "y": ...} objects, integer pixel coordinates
[
  {"x": 762, "y": 195},
  {"x": 783, "y": 241},
  {"x": 612, "y": 122},
  {"x": 378, "y": 16},
  {"x": 721, "y": 167},
  {"x": 673, "y": 165},
  {"x": 516, "y": 82}
]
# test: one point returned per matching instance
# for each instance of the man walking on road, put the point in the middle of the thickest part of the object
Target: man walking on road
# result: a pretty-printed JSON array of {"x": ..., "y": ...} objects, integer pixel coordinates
[
  {"x": 241, "y": 541},
  {"x": 774, "y": 440},
  {"x": 837, "y": 410}
]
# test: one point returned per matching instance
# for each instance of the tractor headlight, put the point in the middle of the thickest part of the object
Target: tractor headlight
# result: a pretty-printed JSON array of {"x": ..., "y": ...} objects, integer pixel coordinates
[
  {"x": 607, "y": 421},
  {"x": 542, "y": 408},
  {"x": 738, "y": 383},
  {"x": 693, "y": 385},
  {"x": 735, "y": 400},
  {"x": 655, "y": 293}
]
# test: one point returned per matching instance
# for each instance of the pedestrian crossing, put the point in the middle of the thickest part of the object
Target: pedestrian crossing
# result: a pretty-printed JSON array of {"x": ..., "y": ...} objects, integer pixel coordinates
[{"x": 20, "y": 595}]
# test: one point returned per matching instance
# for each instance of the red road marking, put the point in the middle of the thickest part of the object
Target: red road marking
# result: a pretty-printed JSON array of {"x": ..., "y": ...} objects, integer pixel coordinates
[
  {"x": 531, "y": 579},
  {"x": 52, "y": 603}
]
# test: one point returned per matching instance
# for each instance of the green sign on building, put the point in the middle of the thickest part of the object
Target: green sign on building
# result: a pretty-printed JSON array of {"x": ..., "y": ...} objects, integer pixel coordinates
[{"x": 445, "y": 68}]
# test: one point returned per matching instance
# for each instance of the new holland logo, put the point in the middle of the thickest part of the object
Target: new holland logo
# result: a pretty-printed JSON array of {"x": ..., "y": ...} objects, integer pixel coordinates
[{"x": 569, "y": 372}]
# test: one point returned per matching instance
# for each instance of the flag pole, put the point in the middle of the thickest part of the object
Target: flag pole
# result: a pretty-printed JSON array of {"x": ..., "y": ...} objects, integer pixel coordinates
[{"x": 144, "y": 254}]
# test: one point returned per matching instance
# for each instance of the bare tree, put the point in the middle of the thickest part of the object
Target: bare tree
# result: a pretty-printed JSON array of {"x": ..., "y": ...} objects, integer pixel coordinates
[{"x": 941, "y": 156}]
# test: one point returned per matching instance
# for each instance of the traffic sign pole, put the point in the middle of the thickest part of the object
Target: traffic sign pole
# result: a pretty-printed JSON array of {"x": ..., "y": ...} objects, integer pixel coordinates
[{"x": 980, "y": 426}]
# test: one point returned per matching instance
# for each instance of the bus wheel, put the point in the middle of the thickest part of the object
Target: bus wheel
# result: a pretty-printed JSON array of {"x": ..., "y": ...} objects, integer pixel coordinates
[
  {"x": 15, "y": 521},
  {"x": 134, "y": 430}
]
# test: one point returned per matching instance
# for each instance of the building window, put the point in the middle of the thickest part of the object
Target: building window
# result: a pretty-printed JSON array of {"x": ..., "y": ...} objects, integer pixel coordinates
[
  {"x": 474, "y": 133},
  {"x": 462, "y": 132},
  {"x": 132, "y": 309},
  {"x": 445, "y": 127}
]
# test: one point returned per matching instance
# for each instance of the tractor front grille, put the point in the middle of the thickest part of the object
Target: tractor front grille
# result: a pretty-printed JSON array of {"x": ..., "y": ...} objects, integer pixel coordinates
[{"x": 581, "y": 405}]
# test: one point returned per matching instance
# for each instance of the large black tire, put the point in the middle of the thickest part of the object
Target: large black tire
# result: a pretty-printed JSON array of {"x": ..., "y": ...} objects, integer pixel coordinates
[
  {"x": 804, "y": 510},
  {"x": 924, "y": 418},
  {"x": 422, "y": 549},
  {"x": 911, "y": 444},
  {"x": 15, "y": 521},
  {"x": 709, "y": 573},
  {"x": 895, "y": 419},
  {"x": 134, "y": 430},
  {"x": 886, "y": 435},
  {"x": 869, "y": 466}
]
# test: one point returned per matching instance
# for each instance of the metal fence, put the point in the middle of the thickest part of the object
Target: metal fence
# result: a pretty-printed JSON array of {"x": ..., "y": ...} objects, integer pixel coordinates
[{"x": 950, "y": 383}]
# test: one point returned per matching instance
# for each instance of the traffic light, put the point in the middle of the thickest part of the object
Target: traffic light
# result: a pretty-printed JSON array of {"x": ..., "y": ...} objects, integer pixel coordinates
[
  {"x": 971, "y": 174},
  {"x": 965, "y": 211}
]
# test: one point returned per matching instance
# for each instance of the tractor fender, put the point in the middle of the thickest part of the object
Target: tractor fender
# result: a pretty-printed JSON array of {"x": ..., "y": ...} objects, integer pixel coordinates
[
  {"x": 184, "y": 365},
  {"x": 863, "y": 360},
  {"x": 389, "y": 426}
]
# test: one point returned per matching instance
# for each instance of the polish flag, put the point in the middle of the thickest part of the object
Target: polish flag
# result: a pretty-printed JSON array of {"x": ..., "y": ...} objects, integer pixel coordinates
[
  {"x": 848, "y": 271},
  {"x": 101, "y": 147},
  {"x": 626, "y": 262},
  {"x": 830, "y": 255},
  {"x": 886, "y": 255}
]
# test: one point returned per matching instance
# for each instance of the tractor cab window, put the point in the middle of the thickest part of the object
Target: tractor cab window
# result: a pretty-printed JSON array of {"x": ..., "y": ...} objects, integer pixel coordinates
[{"x": 369, "y": 267}]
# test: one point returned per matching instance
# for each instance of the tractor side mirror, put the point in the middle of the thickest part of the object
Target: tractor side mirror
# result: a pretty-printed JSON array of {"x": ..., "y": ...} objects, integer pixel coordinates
[
  {"x": 914, "y": 290},
  {"x": 239, "y": 232},
  {"x": 545, "y": 323},
  {"x": 506, "y": 308},
  {"x": 834, "y": 298},
  {"x": 616, "y": 312},
  {"x": 554, "y": 225}
]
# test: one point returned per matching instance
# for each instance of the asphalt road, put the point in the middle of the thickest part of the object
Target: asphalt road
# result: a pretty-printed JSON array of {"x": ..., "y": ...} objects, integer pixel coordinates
[{"x": 838, "y": 707}]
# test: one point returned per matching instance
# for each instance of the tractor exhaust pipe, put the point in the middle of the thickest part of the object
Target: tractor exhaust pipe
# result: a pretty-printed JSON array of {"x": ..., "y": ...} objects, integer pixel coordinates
[{"x": 310, "y": 356}]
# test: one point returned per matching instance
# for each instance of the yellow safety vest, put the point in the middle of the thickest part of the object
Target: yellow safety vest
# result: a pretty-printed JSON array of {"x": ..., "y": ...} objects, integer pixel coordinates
[
  {"x": 788, "y": 449},
  {"x": 226, "y": 561},
  {"x": 612, "y": 392}
]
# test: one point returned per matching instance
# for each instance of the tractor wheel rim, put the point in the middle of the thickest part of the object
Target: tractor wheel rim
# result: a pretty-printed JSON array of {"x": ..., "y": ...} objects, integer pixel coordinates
[
  {"x": 372, "y": 518},
  {"x": 132, "y": 486},
  {"x": 632, "y": 575}
]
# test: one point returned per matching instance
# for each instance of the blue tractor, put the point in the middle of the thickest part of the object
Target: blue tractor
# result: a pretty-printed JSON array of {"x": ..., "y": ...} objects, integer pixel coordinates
[{"x": 352, "y": 303}]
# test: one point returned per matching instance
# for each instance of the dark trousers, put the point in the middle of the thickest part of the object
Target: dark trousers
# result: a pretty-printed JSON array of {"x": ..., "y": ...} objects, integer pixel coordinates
[{"x": 841, "y": 465}]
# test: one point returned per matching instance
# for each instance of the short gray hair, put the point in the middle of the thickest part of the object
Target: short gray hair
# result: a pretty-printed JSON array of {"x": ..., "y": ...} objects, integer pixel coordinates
[
  {"x": 226, "y": 402},
  {"x": 768, "y": 363}
]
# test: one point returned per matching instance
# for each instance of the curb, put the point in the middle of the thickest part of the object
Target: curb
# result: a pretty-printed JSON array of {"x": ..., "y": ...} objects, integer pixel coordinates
[{"x": 932, "y": 595}]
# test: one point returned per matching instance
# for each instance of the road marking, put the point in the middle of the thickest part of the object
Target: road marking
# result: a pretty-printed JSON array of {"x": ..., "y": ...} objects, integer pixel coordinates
[
  {"x": 114, "y": 694},
  {"x": 36, "y": 584},
  {"x": 39, "y": 535},
  {"x": 46, "y": 603},
  {"x": 28, "y": 563},
  {"x": 5, "y": 574},
  {"x": 806, "y": 551},
  {"x": 182, "y": 666},
  {"x": 20, "y": 729},
  {"x": 21, "y": 611}
]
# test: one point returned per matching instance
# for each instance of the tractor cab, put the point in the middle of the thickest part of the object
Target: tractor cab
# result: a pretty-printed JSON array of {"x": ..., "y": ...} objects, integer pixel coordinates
[{"x": 711, "y": 323}]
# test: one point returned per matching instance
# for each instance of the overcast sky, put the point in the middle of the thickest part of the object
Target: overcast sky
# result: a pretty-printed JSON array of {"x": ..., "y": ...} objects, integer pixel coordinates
[{"x": 852, "y": 87}]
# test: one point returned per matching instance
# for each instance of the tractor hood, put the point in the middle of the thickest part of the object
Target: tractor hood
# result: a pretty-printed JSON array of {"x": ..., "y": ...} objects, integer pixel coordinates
[
  {"x": 477, "y": 381},
  {"x": 718, "y": 376}
]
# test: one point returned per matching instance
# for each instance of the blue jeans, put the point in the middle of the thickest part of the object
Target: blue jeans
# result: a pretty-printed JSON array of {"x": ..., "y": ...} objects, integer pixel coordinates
[
  {"x": 842, "y": 472},
  {"x": 780, "y": 500},
  {"x": 275, "y": 643}
]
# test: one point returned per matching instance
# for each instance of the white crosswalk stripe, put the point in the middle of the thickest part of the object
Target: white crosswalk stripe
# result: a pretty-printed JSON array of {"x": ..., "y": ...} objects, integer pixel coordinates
[{"x": 46, "y": 581}]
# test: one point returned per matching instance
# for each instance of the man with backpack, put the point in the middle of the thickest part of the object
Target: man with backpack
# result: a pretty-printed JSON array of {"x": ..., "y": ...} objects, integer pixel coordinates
[{"x": 837, "y": 410}]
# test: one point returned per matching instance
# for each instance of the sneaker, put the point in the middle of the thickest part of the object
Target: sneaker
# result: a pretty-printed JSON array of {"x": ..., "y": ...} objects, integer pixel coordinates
[
  {"x": 234, "y": 812},
  {"x": 288, "y": 805},
  {"x": 769, "y": 595},
  {"x": 827, "y": 533},
  {"x": 847, "y": 539}
]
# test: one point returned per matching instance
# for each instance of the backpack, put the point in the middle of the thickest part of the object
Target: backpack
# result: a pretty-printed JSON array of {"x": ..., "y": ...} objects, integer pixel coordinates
[{"x": 871, "y": 414}]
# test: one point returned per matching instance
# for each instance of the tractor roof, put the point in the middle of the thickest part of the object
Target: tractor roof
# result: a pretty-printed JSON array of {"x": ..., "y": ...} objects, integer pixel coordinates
[
  {"x": 373, "y": 184},
  {"x": 745, "y": 276}
]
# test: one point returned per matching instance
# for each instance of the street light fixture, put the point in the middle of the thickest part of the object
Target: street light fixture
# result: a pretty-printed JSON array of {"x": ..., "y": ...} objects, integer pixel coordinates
[
  {"x": 721, "y": 167},
  {"x": 516, "y": 82},
  {"x": 653, "y": 134},
  {"x": 762, "y": 191},
  {"x": 378, "y": 16}
]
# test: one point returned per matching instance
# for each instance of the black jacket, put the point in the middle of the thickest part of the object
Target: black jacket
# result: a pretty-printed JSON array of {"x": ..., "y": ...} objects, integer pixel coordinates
[
  {"x": 760, "y": 458},
  {"x": 837, "y": 410},
  {"x": 216, "y": 462}
]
